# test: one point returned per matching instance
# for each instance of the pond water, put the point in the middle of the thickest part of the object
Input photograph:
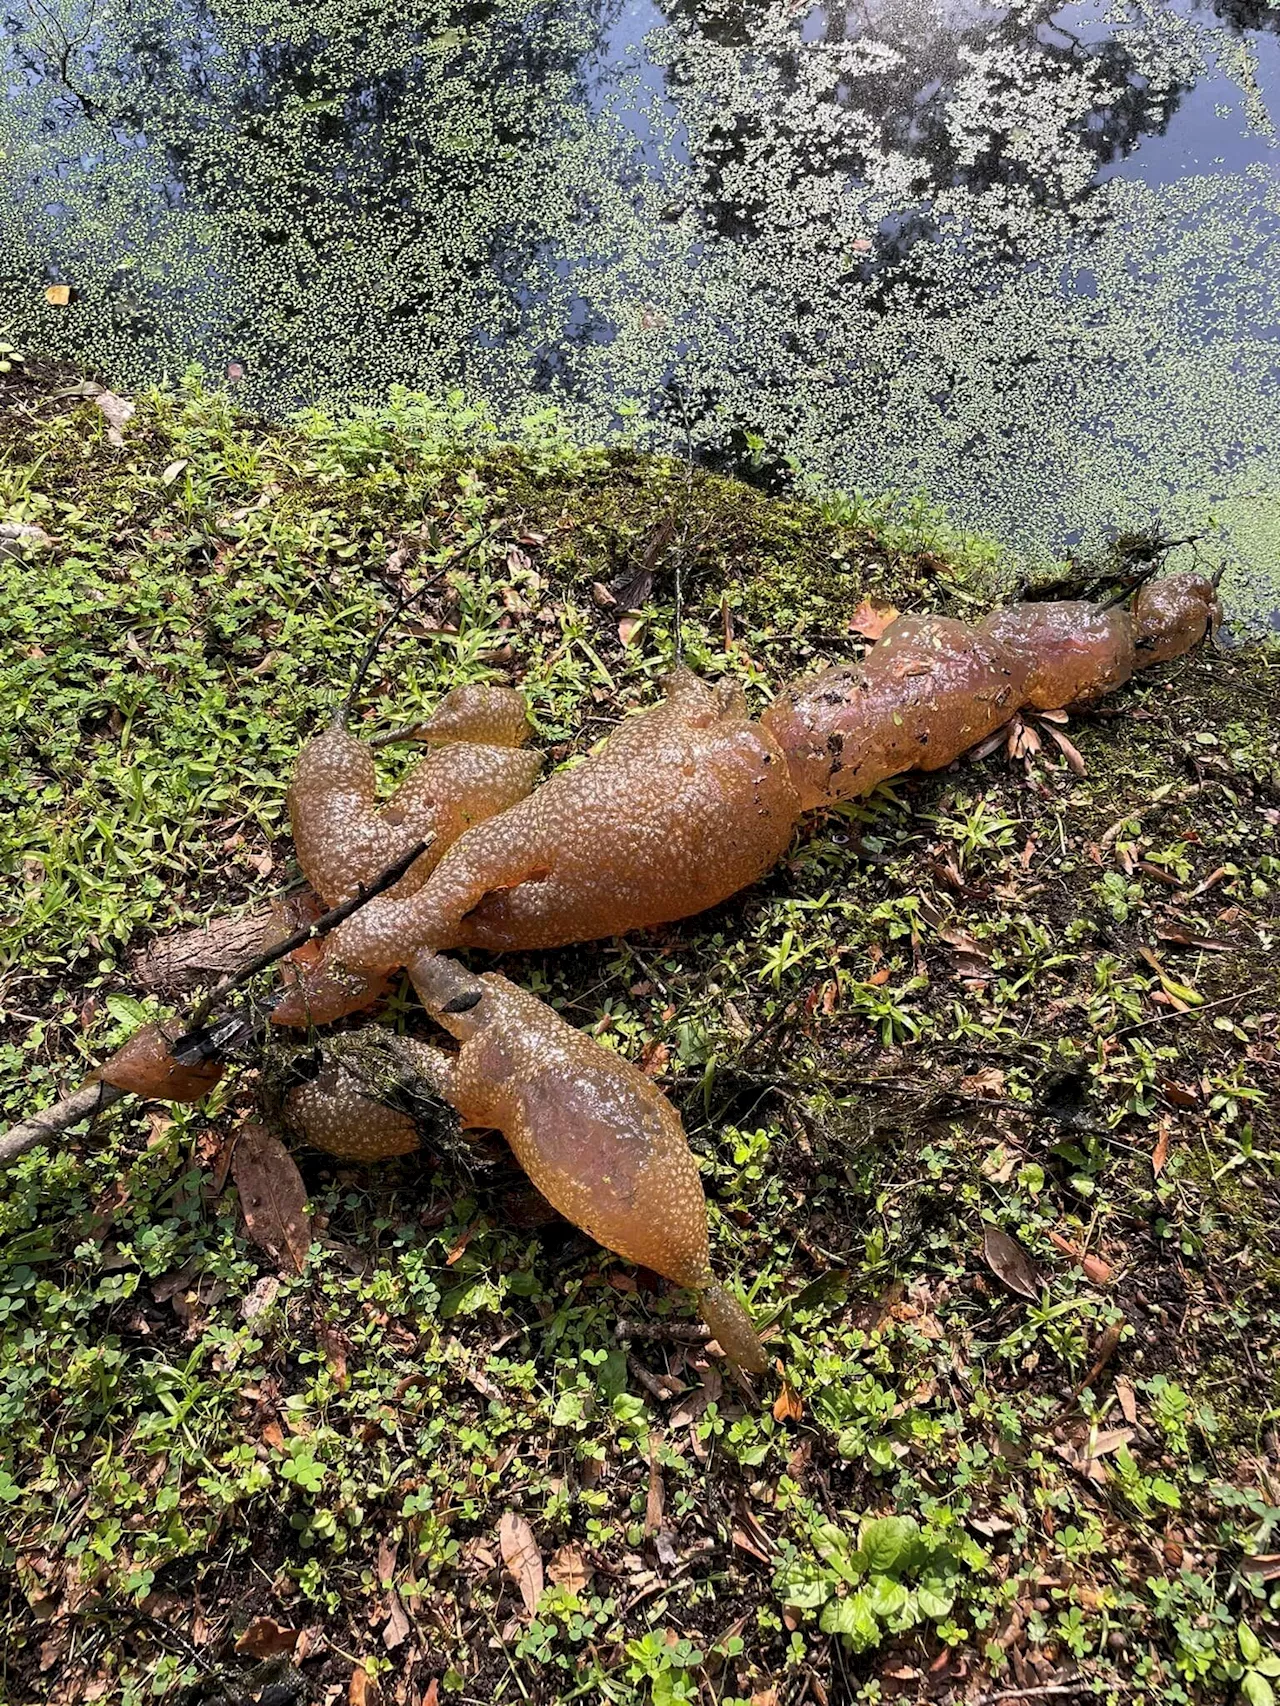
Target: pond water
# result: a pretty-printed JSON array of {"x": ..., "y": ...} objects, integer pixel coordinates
[{"x": 1023, "y": 256}]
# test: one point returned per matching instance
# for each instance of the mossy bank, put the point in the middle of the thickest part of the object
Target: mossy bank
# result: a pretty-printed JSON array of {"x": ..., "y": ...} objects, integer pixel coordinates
[{"x": 1008, "y": 995}]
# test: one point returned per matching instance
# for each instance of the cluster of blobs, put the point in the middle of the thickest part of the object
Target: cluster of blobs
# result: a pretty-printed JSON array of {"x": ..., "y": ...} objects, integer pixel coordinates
[{"x": 684, "y": 805}]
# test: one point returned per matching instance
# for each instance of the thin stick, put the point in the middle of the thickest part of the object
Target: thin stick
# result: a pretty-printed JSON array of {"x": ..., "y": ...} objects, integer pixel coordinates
[
  {"x": 1048, "y": 1691},
  {"x": 82, "y": 1104},
  {"x": 308, "y": 933},
  {"x": 1192, "y": 1012},
  {"x": 92, "y": 1099},
  {"x": 344, "y": 710}
]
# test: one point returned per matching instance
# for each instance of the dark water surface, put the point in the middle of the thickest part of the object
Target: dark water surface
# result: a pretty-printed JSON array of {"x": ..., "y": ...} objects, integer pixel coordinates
[{"x": 1024, "y": 256}]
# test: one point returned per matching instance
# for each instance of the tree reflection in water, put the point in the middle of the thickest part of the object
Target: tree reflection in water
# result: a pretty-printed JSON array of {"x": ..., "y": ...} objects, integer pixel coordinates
[{"x": 902, "y": 240}]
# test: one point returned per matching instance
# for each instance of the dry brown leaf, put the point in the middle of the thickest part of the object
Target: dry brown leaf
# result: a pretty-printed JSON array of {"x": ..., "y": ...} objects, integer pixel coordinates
[
  {"x": 362, "y": 1690},
  {"x": 1263, "y": 1564},
  {"x": 655, "y": 1502},
  {"x": 569, "y": 1569},
  {"x": 265, "y": 1639},
  {"x": 397, "y": 1629},
  {"x": 1160, "y": 1154},
  {"x": 788, "y": 1406},
  {"x": 1095, "y": 1269},
  {"x": 653, "y": 1058},
  {"x": 1010, "y": 1263},
  {"x": 1109, "y": 1439},
  {"x": 1070, "y": 751},
  {"x": 629, "y": 628},
  {"x": 432, "y": 1695},
  {"x": 987, "y": 1081},
  {"x": 521, "y": 1556},
  {"x": 273, "y": 1198},
  {"x": 872, "y": 617},
  {"x": 1128, "y": 1399},
  {"x": 57, "y": 295}
]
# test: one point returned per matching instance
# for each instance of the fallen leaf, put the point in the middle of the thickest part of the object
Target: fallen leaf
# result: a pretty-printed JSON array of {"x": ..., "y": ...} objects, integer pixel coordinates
[
  {"x": 173, "y": 470},
  {"x": 1010, "y": 1263},
  {"x": 361, "y": 1690},
  {"x": 1263, "y": 1564},
  {"x": 653, "y": 1058},
  {"x": 57, "y": 295},
  {"x": 569, "y": 1569},
  {"x": 788, "y": 1406},
  {"x": 273, "y": 1198},
  {"x": 1069, "y": 750},
  {"x": 118, "y": 411},
  {"x": 1094, "y": 1268},
  {"x": 265, "y": 1639},
  {"x": 1108, "y": 1440},
  {"x": 1128, "y": 1399},
  {"x": 872, "y": 617},
  {"x": 629, "y": 628},
  {"x": 601, "y": 596},
  {"x": 521, "y": 1556},
  {"x": 655, "y": 1502},
  {"x": 1160, "y": 1154},
  {"x": 432, "y": 1695},
  {"x": 397, "y": 1629},
  {"x": 987, "y": 1081}
]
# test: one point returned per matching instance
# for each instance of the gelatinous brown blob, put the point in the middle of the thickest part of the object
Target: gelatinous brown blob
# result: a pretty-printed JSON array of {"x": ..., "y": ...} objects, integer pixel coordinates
[
  {"x": 682, "y": 806},
  {"x": 318, "y": 990},
  {"x": 343, "y": 838},
  {"x": 332, "y": 1113},
  {"x": 598, "y": 1139},
  {"x": 927, "y": 692},
  {"x": 145, "y": 1065},
  {"x": 493, "y": 716},
  {"x": 1172, "y": 615},
  {"x": 1076, "y": 651}
]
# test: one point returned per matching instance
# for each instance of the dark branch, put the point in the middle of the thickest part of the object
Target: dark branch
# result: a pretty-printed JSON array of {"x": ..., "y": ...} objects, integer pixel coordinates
[{"x": 308, "y": 933}]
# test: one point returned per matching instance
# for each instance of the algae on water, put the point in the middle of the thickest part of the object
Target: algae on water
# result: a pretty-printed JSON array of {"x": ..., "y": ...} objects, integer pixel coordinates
[{"x": 1020, "y": 255}]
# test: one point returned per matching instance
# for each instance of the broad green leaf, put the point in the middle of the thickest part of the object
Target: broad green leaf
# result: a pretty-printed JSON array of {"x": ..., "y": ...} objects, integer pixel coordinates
[
  {"x": 852, "y": 1618},
  {"x": 885, "y": 1597},
  {"x": 804, "y": 1584},
  {"x": 1250, "y": 1645},
  {"x": 934, "y": 1601},
  {"x": 1256, "y": 1689},
  {"x": 883, "y": 1540}
]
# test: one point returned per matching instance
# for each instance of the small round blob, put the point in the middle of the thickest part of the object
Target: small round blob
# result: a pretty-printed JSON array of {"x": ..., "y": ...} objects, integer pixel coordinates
[
  {"x": 1172, "y": 615},
  {"x": 331, "y": 1112}
]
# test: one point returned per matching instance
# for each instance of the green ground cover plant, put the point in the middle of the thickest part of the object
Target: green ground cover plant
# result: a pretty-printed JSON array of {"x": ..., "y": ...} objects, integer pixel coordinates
[{"x": 979, "y": 1079}]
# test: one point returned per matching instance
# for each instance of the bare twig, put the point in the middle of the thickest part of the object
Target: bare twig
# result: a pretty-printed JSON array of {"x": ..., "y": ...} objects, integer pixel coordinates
[
  {"x": 677, "y": 1332},
  {"x": 83, "y": 1104},
  {"x": 1046, "y": 1691},
  {"x": 94, "y": 1098},
  {"x": 1192, "y": 1012},
  {"x": 307, "y": 933}
]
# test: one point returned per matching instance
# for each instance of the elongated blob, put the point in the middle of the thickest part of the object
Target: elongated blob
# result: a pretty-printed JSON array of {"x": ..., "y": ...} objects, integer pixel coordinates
[
  {"x": 1076, "y": 651},
  {"x": 343, "y": 838},
  {"x": 927, "y": 692},
  {"x": 690, "y": 802},
  {"x": 683, "y": 805},
  {"x": 332, "y": 1113},
  {"x": 597, "y": 1138}
]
